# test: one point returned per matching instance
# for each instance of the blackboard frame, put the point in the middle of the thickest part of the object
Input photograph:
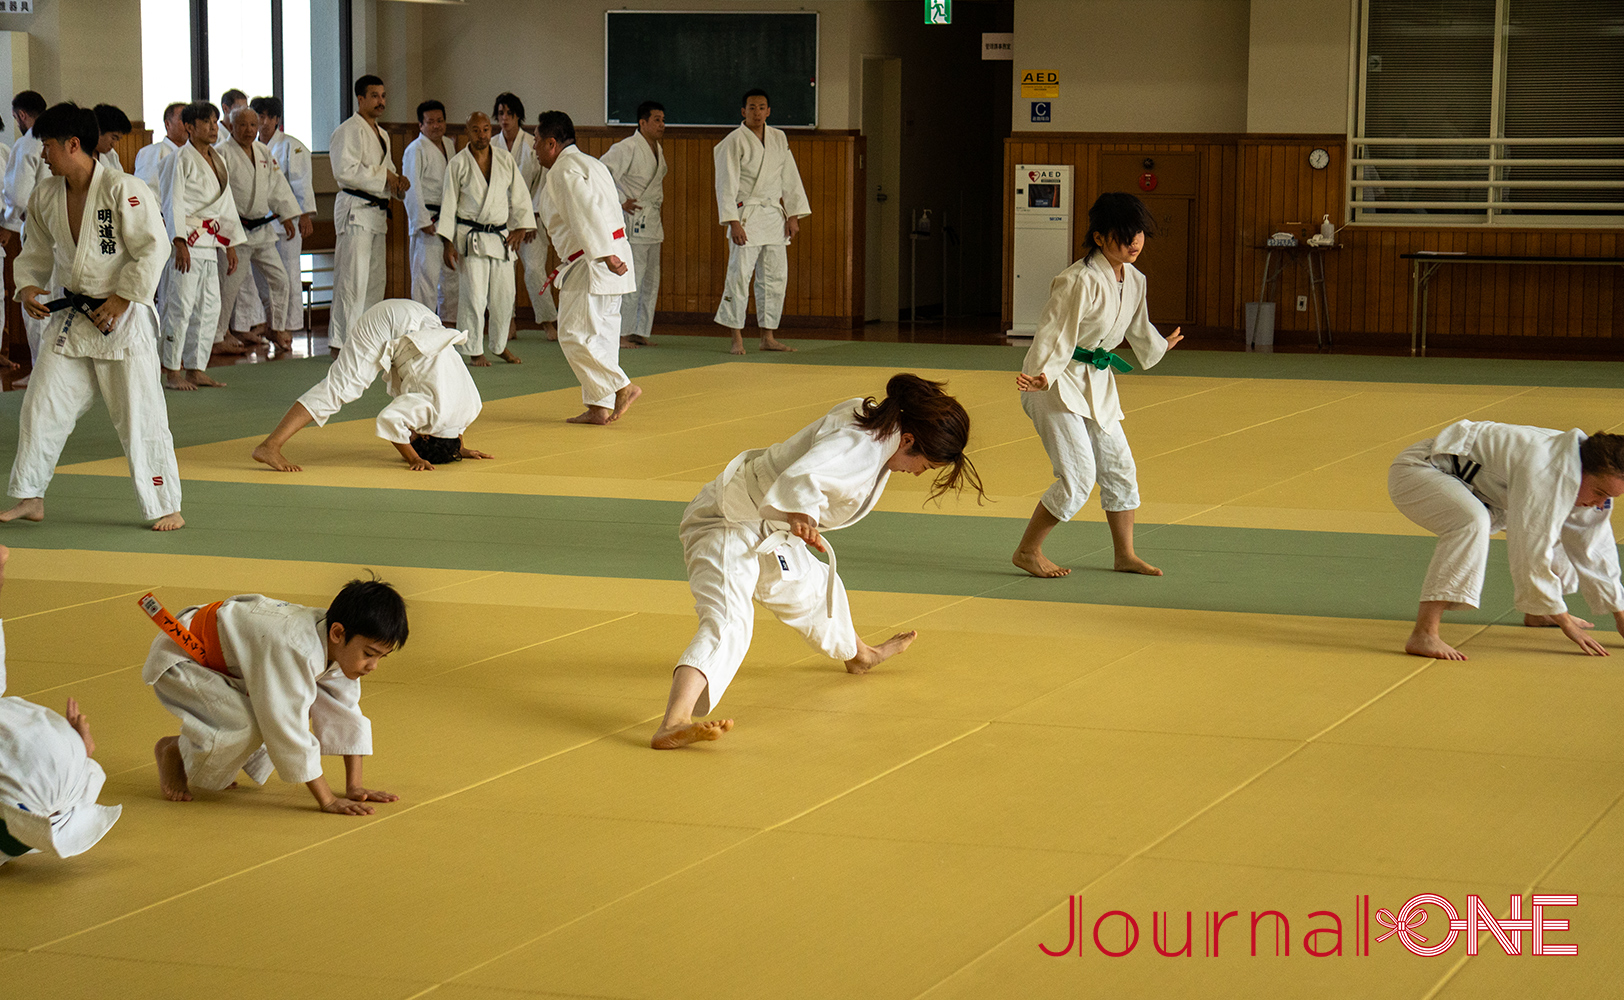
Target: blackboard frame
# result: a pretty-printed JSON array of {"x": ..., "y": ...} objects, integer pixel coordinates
[{"x": 733, "y": 120}]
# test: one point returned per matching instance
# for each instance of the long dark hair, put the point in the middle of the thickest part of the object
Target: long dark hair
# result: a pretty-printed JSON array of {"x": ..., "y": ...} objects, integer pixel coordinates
[
  {"x": 939, "y": 426},
  {"x": 1119, "y": 216}
]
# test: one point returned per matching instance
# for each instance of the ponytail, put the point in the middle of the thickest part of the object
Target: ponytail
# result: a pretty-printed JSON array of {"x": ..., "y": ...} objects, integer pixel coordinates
[{"x": 939, "y": 426}]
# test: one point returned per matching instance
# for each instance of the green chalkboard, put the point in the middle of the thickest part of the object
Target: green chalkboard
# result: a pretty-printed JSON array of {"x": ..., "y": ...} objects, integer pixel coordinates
[{"x": 699, "y": 64}]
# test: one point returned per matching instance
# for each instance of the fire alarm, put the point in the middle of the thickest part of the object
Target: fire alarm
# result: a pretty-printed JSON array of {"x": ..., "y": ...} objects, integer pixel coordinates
[{"x": 1147, "y": 181}]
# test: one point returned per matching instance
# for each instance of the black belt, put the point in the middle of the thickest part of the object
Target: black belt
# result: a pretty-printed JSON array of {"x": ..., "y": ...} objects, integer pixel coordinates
[
  {"x": 480, "y": 227},
  {"x": 433, "y": 208},
  {"x": 73, "y": 300},
  {"x": 249, "y": 225},
  {"x": 371, "y": 199}
]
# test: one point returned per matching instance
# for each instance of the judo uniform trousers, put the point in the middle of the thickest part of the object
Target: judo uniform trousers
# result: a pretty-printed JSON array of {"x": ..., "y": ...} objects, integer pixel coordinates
[
  {"x": 24, "y": 171},
  {"x": 294, "y": 159},
  {"x": 639, "y": 172},
  {"x": 579, "y": 210},
  {"x": 737, "y": 546},
  {"x": 1079, "y": 417},
  {"x": 361, "y": 163},
  {"x": 198, "y": 208},
  {"x": 532, "y": 255},
  {"x": 478, "y": 215},
  {"x": 1476, "y": 478},
  {"x": 758, "y": 185},
  {"x": 150, "y": 163},
  {"x": 425, "y": 166},
  {"x": 122, "y": 247},
  {"x": 263, "y": 197}
]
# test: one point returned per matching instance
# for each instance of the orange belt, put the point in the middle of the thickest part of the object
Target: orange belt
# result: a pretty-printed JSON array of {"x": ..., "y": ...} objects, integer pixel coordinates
[{"x": 201, "y": 641}]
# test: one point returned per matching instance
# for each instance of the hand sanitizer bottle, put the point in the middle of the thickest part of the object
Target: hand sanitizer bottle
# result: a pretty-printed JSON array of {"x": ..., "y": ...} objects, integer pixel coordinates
[{"x": 1327, "y": 231}]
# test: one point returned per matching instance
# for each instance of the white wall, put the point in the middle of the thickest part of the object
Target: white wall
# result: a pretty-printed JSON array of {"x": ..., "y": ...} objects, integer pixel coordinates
[
  {"x": 1298, "y": 68},
  {"x": 83, "y": 50}
]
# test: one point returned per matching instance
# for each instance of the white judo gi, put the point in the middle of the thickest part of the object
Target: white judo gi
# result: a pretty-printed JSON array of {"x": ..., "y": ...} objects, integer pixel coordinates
[
  {"x": 150, "y": 163},
  {"x": 639, "y": 172},
  {"x": 424, "y": 165},
  {"x": 1079, "y": 417},
  {"x": 197, "y": 207},
  {"x": 485, "y": 271},
  {"x": 264, "y": 200},
  {"x": 532, "y": 255},
  {"x": 48, "y": 784},
  {"x": 24, "y": 171},
  {"x": 121, "y": 249},
  {"x": 361, "y": 163},
  {"x": 278, "y": 703},
  {"x": 111, "y": 161},
  {"x": 579, "y": 210},
  {"x": 1476, "y": 478},
  {"x": 293, "y": 157},
  {"x": 402, "y": 340},
  {"x": 757, "y": 184},
  {"x": 736, "y": 543}
]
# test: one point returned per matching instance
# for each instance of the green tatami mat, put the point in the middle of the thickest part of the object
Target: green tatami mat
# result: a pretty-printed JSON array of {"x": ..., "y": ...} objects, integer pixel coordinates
[{"x": 1215, "y": 569}]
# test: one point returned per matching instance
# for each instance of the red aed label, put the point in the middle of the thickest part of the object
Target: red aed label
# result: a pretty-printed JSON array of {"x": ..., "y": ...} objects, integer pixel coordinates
[{"x": 1147, "y": 181}]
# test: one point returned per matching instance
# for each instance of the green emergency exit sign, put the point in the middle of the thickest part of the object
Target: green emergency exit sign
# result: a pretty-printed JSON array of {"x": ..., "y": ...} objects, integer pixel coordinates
[{"x": 938, "y": 11}]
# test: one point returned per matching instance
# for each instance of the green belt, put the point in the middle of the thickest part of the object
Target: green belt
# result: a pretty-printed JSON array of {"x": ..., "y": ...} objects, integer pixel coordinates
[
  {"x": 1100, "y": 359},
  {"x": 11, "y": 845}
]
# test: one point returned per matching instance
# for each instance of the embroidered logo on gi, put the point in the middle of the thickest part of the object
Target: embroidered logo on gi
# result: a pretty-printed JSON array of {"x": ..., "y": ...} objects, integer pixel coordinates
[
  {"x": 104, "y": 230},
  {"x": 157, "y": 480},
  {"x": 135, "y": 202},
  {"x": 783, "y": 563}
]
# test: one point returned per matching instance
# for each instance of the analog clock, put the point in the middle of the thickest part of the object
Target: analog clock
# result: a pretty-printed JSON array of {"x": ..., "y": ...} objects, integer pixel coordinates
[{"x": 1319, "y": 159}]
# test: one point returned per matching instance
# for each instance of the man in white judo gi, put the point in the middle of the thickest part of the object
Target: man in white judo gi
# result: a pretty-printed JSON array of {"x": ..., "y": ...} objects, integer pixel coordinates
[
  {"x": 25, "y": 170},
  {"x": 48, "y": 779},
  {"x": 265, "y": 203},
  {"x": 149, "y": 160},
  {"x": 201, "y": 216},
  {"x": 423, "y": 164},
  {"x": 507, "y": 113},
  {"x": 434, "y": 397},
  {"x": 99, "y": 234},
  {"x": 638, "y": 167},
  {"x": 1550, "y": 491},
  {"x": 487, "y": 216},
  {"x": 366, "y": 178},
  {"x": 293, "y": 157},
  {"x": 581, "y": 212},
  {"x": 760, "y": 199},
  {"x": 259, "y": 683},
  {"x": 114, "y": 125},
  {"x": 231, "y": 100}
]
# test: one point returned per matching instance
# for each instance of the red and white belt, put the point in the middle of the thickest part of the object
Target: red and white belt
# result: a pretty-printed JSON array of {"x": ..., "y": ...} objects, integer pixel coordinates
[{"x": 552, "y": 279}]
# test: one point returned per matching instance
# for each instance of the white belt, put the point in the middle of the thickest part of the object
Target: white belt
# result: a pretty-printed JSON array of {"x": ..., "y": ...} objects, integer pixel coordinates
[{"x": 784, "y": 535}]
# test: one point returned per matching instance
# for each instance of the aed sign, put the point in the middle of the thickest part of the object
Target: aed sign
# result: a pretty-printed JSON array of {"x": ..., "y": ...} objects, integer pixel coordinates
[{"x": 1040, "y": 83}]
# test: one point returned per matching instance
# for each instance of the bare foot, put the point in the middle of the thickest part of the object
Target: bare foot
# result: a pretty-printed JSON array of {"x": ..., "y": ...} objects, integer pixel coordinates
[
  {"x": 232, "y": 346},
  {"x": 333, "y": 351},
  {"x": 593, "y": 415},
  {"x": 771, "y": 343},
  {"x": 272, "y": 457},
  {"x": 638, "y": 340},
  {"x": 672, "y": 737},
  {"x": 629, "y": 342},
  {"x": 625, "y": 396},
  {"x": 551, "y": 330},
  {"x": 1038, "y": 564},
  {"x": 176, "y": 380},
  {"x": 1429, "y": 644},
  {"x": 868, "y": 657},
  {"x": 1134, "y": 564},
  {"x": 171, "y": 770},
  {"x": 479, "y": 361},
  {"x": 284, "y": 345},
  {"x": 249, "y": 338},
  {"x": 202, "y": 380},
  {"x": 1546, "y": 621},
  {"x": 31, "y": 509},
  {"x": 169, "y": 522},
  {"x": 510, "y": 358},
  {"x": 738, "y": 343}
]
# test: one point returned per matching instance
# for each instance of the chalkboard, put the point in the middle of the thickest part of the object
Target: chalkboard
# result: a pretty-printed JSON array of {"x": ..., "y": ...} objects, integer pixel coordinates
[{"x": 700, "y": 64}]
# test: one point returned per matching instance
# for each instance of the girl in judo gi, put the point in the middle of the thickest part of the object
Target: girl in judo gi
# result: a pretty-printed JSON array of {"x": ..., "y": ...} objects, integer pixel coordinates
[
  {"x": 746, "y": 535},
  {"x": 1550, "y": 491},
  {"x": 1068, "y": 383}
]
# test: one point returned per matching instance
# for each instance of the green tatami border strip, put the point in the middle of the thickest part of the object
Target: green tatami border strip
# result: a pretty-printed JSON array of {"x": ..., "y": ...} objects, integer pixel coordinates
[{"x": 1322, "y": 574}]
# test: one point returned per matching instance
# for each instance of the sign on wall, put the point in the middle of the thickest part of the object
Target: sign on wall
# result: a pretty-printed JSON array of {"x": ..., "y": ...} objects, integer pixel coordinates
[
  {"x": 938, "y": 11},
  {"x": 998, "y": 45},
  {"x": 1041, "y": 83},
  {"x": 1040, "y": 111}
]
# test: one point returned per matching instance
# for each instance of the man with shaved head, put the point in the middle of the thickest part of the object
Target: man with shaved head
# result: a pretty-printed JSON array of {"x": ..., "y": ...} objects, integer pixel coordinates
[
  {"x": 263, "y": 198},
  {"x": 484, "y": 216}
]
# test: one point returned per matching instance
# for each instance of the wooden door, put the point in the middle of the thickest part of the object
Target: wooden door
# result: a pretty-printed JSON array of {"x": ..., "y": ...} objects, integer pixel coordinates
[{"x": 1166, "y": 260}]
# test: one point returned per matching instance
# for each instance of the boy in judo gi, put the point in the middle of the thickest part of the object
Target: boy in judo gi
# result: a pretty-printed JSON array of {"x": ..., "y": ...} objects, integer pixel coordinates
[
  {"x": 48, "y": 781},
  {"x": 1068, "y": 383},
  {"x": 746, "y": 536},
  {"x": 1550, "y": 491},
  {"x": 434, "y": 396},
  {"x": 259, "y": 683}
]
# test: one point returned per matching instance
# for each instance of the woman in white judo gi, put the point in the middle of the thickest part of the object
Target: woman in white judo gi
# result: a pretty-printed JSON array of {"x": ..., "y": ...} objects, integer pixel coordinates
[
  {"x": 1550, "y": 491},
  {"x": 48, "y": 781},
  {"x": 1068, "y": 383},
  {"x": 263, "y": 683},
  {"x": 746, "y": 535},
  {"x": 435, "y": 398}
]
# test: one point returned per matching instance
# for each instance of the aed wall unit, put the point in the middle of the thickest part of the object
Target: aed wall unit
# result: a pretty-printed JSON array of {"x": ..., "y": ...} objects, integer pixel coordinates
[{"x": 1044, "y": 197}]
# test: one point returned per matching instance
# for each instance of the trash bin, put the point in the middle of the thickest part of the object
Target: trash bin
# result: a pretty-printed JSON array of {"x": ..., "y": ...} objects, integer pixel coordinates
[{"x": 1260, "y": 326}]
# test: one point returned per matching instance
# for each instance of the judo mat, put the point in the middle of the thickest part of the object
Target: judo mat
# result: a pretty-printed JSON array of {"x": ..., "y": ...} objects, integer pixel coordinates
[{"x": 1061, "y": 780}]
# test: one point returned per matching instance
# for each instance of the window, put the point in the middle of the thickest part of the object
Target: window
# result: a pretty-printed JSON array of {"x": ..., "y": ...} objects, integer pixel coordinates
[{"x": 1493, "y": 112}]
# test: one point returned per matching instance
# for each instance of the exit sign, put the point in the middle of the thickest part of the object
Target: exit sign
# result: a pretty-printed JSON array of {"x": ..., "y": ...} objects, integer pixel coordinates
[{"x": 938, "y": 11}]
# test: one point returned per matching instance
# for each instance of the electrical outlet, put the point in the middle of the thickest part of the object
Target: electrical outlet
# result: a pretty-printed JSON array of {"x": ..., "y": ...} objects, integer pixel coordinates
[{"x": 1302, "y": 303}]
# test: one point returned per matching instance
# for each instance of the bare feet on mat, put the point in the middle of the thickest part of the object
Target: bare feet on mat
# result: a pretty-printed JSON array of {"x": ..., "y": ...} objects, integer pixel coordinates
[
  {"x": 771, "y": 343},
  {"x": 672, "y": 737},
  {"x": 628, "y": 342},
  {"x": 31, "y": 509},
  {"x": 479, "y": 361},
  {"x": 1429, "y": 644},
  {"x": 510, "y": 357},
  {"x": 1134, "y": 564},
  {"x": 1038, "y": 564},
  {"x": 738, "y": 342},
  {"x": 638, "y": 340},
  {"x": 1546, "y": 621},
  {"x": 232, "y": 346},
  {"x": 171, "y": 770},
  {"x": 169, "y": 522},
  {"x": 593, "y": 415},
  {"x": 551, "y": 330},
  {"x": 273, "y": 457},
  {"x": 202, "y": 380},
  {"x": 868, "y": 657},
  {"x": 177, "y": 381},
  {"x": 624, "y": 398},
  {"x": 284, "y": 345},
  {"x": 250, "y": 338}
]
